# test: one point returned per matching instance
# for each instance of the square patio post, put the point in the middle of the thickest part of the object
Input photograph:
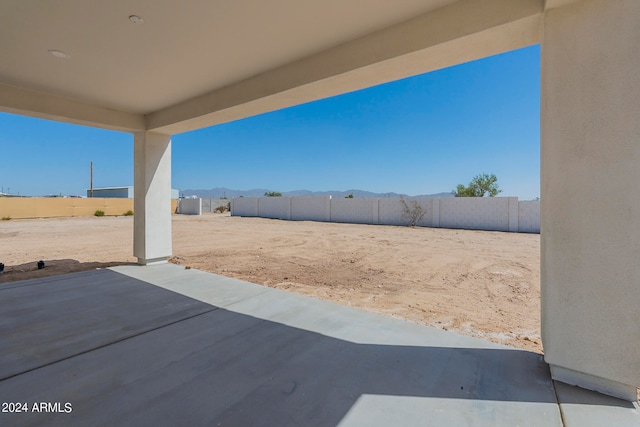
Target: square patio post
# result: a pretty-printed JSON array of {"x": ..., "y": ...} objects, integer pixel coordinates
[
  {"x": 152, "y": 198},
  {"x": 590, "y": 209}
]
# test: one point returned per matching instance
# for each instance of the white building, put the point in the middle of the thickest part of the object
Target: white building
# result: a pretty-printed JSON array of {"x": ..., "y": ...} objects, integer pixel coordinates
[{"x": 121, "y": 193}]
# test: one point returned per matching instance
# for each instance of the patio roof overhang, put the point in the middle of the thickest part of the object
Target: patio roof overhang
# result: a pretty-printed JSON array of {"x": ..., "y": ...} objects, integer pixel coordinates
[{"x": 198, "y": 63}]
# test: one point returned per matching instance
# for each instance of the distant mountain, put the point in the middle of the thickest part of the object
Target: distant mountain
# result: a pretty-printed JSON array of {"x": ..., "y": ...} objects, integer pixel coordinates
[{"x": 217, "y": 193}]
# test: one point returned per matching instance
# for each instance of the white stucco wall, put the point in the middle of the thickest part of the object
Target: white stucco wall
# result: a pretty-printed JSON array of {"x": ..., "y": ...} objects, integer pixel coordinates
[
  {"x": 590, "y": 169},
  {"x": 152, "y": 202}
]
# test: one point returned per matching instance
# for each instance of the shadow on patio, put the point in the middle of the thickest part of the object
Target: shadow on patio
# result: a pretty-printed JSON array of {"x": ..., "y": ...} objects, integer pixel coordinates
[
  {"x": 53, "y": 267},
  {"x": 123, "y": 351}
]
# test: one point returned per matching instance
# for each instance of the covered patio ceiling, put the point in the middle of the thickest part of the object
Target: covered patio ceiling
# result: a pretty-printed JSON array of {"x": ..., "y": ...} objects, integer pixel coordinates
[
  {"x": 192, "y": 64},
  {"x": 197, "y": 63}
]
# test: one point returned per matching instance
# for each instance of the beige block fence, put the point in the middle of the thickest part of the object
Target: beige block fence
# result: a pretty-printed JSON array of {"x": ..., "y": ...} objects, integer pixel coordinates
[{"x": 52, "y": 207}]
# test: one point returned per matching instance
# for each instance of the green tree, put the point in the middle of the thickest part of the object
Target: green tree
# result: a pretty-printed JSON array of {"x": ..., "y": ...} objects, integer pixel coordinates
[
  {"x": 350, "y": 196},
  {"x": 273, "y": 194},
  {"x": 479, "y": 186}
]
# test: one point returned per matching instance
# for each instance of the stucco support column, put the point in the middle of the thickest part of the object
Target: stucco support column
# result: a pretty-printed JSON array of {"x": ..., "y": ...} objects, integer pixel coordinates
[
  {"x": 152, "y": 198},
  {"x": 590, "y": 209}
]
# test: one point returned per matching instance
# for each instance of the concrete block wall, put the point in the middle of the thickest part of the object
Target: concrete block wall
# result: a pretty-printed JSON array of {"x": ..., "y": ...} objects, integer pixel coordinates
[
  {"x": 428, "y": 207},
  {"x": 53, "y": 207},
  {"x": 311, "y": 208},
  {"x": 354, "y": 211},
  {"x": 210, "y": 205},
  {"x": 392, "y": 211},
  {"x": 529, "y": 216},
  {"x": 475, "y": 213},
  {"x": 244, "y": 206},
  {"x": 495, "y": 213},
  {"x": 190, "y": 206},
  {"x": 274, "y": 207}
]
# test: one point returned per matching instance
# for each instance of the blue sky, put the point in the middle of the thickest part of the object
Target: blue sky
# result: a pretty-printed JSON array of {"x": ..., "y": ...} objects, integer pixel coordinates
[{"x": 419, "y": 135}]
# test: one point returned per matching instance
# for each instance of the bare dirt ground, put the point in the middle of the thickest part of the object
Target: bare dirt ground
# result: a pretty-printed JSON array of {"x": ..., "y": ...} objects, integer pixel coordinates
[{"x": 483, "y": 284}]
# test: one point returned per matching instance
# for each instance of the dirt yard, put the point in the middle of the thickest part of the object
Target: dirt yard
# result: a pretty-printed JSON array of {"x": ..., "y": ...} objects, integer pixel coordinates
[{"x": 483, "y": 284}]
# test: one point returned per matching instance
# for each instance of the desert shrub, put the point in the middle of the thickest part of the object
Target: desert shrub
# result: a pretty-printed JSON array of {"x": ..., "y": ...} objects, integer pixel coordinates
[
  {"x": 99, "y": 213},
  {"x": 220, "y": 209},
  {"x": 6, "y": 218},
  {"x": 413, "y": 214},
  {"x": 128, "y": 213}
]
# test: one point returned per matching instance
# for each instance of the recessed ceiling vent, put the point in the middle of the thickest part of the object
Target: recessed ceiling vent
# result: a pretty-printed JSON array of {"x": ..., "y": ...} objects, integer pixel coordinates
[
  {"x": 59, "y": 54},
  {"x": 136, "y": 19}
]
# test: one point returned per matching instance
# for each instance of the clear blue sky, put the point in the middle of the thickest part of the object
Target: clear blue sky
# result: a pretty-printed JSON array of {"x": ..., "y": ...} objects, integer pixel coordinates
[{"x": 420, "y": 135}]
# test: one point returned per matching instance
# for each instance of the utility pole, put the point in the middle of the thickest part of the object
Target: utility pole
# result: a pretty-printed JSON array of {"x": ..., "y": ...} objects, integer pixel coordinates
[{"x": 91, "y": 182}]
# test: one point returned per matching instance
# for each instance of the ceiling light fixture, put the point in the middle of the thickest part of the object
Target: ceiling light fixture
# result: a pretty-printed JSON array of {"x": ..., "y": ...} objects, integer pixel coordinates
[
  {"x": 136, "y": 19},
  {"x": 59, "y": 54}
]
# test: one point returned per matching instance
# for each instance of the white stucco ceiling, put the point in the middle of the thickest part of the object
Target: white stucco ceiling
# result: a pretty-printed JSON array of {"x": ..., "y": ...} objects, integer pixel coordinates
[
  {"x": 191, "y": 58},
  {"x": 183, "y": 48}
]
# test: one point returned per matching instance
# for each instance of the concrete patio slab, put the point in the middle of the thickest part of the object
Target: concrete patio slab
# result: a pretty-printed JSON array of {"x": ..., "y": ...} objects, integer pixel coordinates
[
  {"x": 44, "y": 321},
  {"x": 581, "y": 407},
  {"x": 162, "y": 345}
]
